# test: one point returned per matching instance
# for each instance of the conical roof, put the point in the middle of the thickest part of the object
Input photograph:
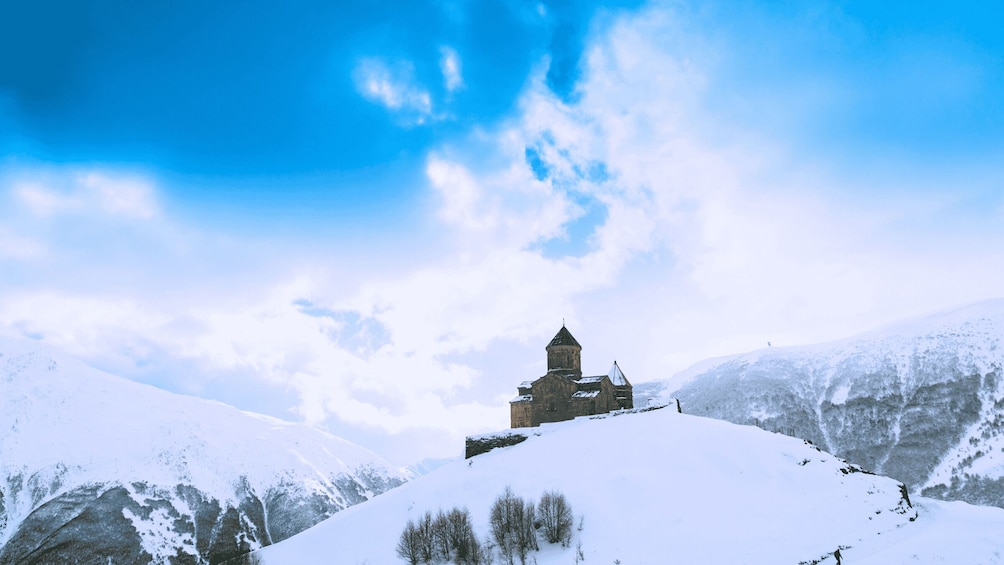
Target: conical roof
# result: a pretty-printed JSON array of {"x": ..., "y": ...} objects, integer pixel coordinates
[
  {"x": 564, "y": 337},
  {"x": 617, "y": 378}
]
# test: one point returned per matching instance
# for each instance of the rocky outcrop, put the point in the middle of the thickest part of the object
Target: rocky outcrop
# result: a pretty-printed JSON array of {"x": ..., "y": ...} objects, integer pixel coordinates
[
  {"x": 923, "y": 403},
  {"x": 138, "y": 523}
]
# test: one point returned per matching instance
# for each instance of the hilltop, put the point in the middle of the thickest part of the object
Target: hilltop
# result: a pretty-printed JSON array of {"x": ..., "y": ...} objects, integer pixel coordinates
[{"x": 661, "y": 487}]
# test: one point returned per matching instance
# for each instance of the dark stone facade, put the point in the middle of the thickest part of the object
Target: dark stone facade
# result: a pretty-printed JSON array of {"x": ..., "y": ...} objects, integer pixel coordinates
[{"x": 563, "y": 393}]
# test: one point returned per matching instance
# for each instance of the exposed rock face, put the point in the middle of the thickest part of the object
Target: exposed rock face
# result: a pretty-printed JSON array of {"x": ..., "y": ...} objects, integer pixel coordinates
[
  {"x": 140, "y": 524},
  {"x": 923, "y": 403},
  {"x": 97, "y": 469},
  {"x": 85, "y": 525}
]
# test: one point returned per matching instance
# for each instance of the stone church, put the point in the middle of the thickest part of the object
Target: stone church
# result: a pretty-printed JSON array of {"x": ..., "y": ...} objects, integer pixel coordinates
[{"x": 563, "y": 393}]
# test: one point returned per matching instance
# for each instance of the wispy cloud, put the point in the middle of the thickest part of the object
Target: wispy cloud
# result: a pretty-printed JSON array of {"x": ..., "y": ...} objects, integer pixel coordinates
[
  {"x": 56, "y": 192},
  {"x": 393, "y": 85},
  {"x": 449, "y": 64}
]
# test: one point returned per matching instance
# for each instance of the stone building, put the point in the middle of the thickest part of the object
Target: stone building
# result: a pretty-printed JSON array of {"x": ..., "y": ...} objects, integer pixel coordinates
[{"x": 563, "y": 393}]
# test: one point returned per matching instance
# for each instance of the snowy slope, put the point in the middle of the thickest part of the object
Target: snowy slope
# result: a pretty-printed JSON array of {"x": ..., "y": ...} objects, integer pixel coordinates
[
  {"x": 922, "y": 401},
  {"x": 426, "y": 466},
  {"x": 95, "y": 466},
  {"x": 660, "y": 487}
]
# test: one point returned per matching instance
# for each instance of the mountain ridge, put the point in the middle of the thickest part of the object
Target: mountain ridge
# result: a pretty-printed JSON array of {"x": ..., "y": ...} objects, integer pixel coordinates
[
  {"x": 175, "y": 479},
  {"x": 921, "y": 400}
]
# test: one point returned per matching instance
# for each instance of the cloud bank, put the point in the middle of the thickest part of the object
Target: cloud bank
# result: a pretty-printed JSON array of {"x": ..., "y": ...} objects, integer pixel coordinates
[{"x": 662, "y": 232}]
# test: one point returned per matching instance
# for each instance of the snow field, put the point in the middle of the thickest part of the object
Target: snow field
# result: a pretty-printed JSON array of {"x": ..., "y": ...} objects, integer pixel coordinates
[{"x": 653, "y": 487}]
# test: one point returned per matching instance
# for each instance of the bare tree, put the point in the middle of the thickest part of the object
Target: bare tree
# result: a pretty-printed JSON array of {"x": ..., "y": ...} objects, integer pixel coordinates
[
  {"x": 525, "y": 533},
  {"x": 555, "y": 515},
  {"x": 447, "y": 537},
  {"x": 512, "y": 526},
  {"x": 450, "y": 536},
  {"x": 461, "y": 537},
  {"x": 426, "y": 538},
  {"x": 441, "y": 536},
  {"x": 486, "y": 556},
  {"x": 409, "y": 546},
  {"x": 502, "y": 519}
]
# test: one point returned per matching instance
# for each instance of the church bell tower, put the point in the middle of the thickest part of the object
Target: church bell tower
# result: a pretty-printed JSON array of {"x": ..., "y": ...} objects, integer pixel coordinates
[{"x": 564, "y": 354}]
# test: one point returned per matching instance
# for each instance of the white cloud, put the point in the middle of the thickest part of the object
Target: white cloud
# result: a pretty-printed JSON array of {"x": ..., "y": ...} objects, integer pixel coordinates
[
  {"x": 723, "y": 242},
  {"x": 461, "y": 194},
  {"x": 121, "y": 195},
  {"x": 505, "y": 207},
  {"x": 393, "y": 86},
  {"x": 712, "y": 240},
  {"x": 758, "y": 244},
  {"x": 72, "y": 191},
  {"x": 44, "y": 201},
  {"x": 450, "y": 66}
]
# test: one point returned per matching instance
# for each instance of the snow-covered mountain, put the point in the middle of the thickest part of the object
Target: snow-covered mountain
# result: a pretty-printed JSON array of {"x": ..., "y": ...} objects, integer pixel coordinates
[
  {"x": 922, "y": 402},
  {"x": 659, "y": 487},
  {"x": 427, "y": 465},
  {"x": 99, "y": 469}
]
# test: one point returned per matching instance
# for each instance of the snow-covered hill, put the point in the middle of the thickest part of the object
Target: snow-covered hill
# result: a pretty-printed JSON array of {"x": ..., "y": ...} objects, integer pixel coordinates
[
  {"x": 660, "y": 487},
  {"x": 922, "y": 401},
  {"x": 96, "y": 468}
]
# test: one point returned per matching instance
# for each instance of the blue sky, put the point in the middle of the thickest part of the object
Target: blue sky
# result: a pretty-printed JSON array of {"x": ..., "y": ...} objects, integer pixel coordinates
[
  {"x": 373, "y": 216},
  {"x": 250, "y": 96}
]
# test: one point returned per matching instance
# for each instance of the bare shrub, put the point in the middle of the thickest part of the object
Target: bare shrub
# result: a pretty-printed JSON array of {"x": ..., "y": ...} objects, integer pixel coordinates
[
  {"x": 486, "y": 555},
  {"x": 447, "y": 537},
  {"x": 450, "y": 536},
  {"x": 426, "y": 538},
  {"x": 512, "y": 526},
  {"x": 409, "y": 546},
  {"x": 441, "y": 536},
  {"x": 502, "y": 520},
  {"x": 462, "y": 539},
  {"x": 556, "y": 518},
  {"x": 526, "y": 533}
]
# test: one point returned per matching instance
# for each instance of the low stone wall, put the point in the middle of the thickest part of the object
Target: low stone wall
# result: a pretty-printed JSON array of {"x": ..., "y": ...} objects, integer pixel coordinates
[{"x": 476, "y": 445}]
